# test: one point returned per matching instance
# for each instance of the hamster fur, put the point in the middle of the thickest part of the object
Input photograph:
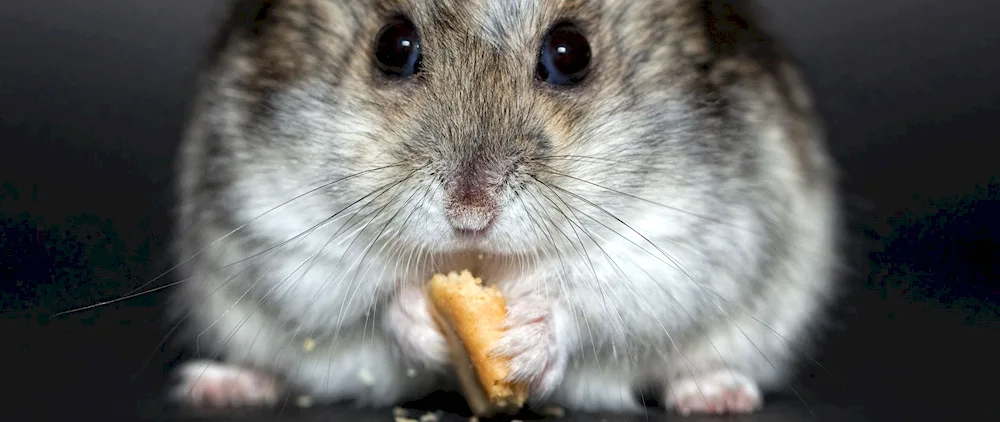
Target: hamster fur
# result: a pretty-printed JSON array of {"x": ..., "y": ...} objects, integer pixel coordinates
[{"x": 669, "y": 221}]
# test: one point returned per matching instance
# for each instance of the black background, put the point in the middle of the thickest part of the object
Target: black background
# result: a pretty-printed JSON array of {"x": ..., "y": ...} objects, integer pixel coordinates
[{"x": 92, "y": 96}]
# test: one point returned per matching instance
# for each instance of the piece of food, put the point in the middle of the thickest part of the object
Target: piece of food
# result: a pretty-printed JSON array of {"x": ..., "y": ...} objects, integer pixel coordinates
[{"x": 471, "y": 317}]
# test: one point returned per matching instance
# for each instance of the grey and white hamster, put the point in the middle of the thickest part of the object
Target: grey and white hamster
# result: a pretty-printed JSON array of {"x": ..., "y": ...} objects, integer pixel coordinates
[{"x": 645, "y": 180}]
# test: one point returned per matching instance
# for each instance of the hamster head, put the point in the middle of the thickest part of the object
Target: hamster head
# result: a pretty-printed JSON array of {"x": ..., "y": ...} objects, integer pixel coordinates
[{"x": 496, "y": 126}]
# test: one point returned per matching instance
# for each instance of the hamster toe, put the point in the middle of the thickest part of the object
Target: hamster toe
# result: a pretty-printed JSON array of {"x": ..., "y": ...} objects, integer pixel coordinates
[
  {"x": 211, "y": 385},
  {"x": 535, "y": 356},
  {"x": 721, "y": 392},
  {"x": 414, "y": 329}
]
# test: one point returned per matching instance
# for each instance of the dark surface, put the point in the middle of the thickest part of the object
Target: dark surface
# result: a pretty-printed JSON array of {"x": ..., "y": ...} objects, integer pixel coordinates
[
  {"x": 91, "y": 102},
  {"x": 781, "y": 412}
]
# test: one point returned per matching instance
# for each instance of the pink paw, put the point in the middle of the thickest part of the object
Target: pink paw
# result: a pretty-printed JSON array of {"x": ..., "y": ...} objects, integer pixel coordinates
[
  {"x": 531, "y": 344},
  {"x": 207, "y": 384},
  {"x": 409, "y": 319},
  {"x": 721, "y": 392}
]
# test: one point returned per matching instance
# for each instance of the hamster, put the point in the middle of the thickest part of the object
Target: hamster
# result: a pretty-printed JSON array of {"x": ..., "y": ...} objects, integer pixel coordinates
[{"x": 646, "y": 181}]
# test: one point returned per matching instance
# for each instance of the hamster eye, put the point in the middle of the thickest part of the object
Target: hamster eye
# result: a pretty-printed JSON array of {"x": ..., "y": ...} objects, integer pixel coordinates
[
  {"x": 564, "y": 58},
  {"x": 397, "y": 48}
]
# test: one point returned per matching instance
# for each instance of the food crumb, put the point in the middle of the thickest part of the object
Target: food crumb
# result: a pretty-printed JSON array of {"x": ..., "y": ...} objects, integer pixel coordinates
[
  {"x": 304, "y": 401},
  {"x": 405, "y": 419},
  {"x": 309, "y": 344},
  {"x": 410, "y": 372},
  {"x": 398, "y": 412},
  {"x": 480, "y": 257},
  {"x": 473, "y": 419},
  {"x": 553, "y": 411},
  {"x": 366, "y": 377},
  {"x": 429, "y": 417}
]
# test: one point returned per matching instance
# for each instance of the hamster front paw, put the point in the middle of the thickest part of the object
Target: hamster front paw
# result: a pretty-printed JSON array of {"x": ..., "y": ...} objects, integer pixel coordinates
[
  {"x": 531, "y": 343},
  {"x": 206, "y": 384},
  {"x": 409, "y": 320},
  {"x": 720, "y": 392}
]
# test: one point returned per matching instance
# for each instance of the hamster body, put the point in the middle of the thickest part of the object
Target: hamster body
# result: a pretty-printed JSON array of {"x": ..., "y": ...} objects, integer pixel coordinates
[{"x": 644, "y": 180}]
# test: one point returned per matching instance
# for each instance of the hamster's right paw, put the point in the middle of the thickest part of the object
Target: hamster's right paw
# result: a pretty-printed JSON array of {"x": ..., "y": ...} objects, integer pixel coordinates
[
  {"x": 409, "y": 320},
  {"x": 206, "y": 384},
  {"x": 531, "y": 344}
]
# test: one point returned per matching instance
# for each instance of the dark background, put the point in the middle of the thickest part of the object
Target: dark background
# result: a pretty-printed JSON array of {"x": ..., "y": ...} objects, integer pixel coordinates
[{"x": 92, "y": 96}]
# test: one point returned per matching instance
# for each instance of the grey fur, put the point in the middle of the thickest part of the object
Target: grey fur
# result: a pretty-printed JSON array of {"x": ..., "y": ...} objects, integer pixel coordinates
[{"x": 688, "y": 173}]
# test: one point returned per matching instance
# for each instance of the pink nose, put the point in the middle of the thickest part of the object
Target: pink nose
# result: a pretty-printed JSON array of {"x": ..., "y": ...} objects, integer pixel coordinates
[
  {"x": 471, "y": 220},
  {"x": 471, "y": 206}
]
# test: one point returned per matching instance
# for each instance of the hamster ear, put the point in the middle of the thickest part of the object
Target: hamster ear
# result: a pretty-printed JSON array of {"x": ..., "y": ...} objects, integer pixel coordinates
[
  {"x": 734, "y": 27},
  {"x": 239, "y": 16}
]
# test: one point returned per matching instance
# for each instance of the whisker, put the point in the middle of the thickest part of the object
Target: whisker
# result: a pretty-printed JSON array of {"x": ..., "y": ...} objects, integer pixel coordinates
[
  {"x": 339, "y": 325},
  {"x": 645, "y": 302},
  {"x": 299, "y": 238},
  {"x": 344, "y": 306},
  {"x": 162, "y": 342},
  {"x": 391, "y": 219},
  {"x": 233, "y": 332},
  {"x": 703, "y": 286},
  {"x": 361, "y": 260},
  {"x": 381, "y": 191},
  {"x": 348, "y": 225},
  {"x": 584, "y": 158},
  {"x": 292, "y": 337},
  {"x": 593, "y": 269},
  {"x": 652, "y": 313},
  {"x": 402, "y": 225},
  {"x": 560, "y": 275},
  {"x": 135, "y": 292},
  {"x": 676, "y": 264},
  {"x": 243, "y": 320},
  {"x": 648, "y": 201},
  {"x": 282, "y": 204},
  {"x": 582, "y": 254}
]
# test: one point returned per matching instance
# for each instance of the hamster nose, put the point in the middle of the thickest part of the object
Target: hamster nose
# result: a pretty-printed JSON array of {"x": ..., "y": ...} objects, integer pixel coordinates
[
  {"x": 471, "y": 221},
  {"x": 471, "y": 208}
]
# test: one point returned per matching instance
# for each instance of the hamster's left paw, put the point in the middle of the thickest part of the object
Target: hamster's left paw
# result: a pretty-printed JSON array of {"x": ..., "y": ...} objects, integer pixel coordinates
[{"x": 409, "y": 319}]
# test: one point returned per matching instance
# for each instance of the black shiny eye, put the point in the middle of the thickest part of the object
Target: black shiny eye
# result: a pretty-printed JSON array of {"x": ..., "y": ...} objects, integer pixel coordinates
[
  {"x": 397, "y": 48},
  {"x": 564, "y": 58}
]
